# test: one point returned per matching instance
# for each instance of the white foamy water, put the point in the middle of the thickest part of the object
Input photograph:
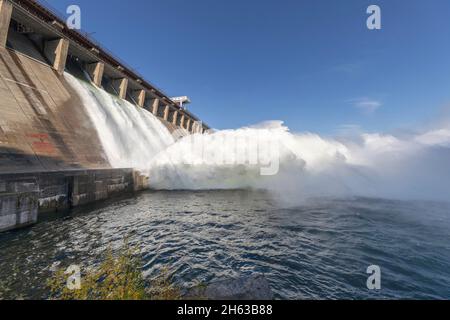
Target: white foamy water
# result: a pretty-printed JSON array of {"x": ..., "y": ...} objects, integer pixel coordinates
[
  {"x": 294, "y": 166},
  {"x": 375, "y": 165}
]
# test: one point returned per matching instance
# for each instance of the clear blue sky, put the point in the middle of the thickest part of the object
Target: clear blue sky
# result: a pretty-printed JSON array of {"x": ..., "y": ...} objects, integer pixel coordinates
[{"x": 311, "y": 63}]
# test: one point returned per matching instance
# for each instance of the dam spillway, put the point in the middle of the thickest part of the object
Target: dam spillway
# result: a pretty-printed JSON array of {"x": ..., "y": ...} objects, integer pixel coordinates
[{"x": 51, "y": 154}]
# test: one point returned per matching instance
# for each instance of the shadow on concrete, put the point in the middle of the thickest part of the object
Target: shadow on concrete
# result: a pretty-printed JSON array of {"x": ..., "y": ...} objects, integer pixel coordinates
[
  {"x": 17, "y": 161},
  {"x": 36, "y": 94},
  {"x": 56, "y": 126}
]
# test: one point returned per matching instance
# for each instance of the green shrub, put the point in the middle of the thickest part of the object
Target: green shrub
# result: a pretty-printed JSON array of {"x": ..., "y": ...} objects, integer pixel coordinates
[{"x": 116, "y": 278}]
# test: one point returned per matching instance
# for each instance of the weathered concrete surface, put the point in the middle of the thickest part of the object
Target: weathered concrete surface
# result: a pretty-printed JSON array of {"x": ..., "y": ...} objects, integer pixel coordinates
[
  {"x": 166, "y": 113},
  {"x": 96, "y": 71},
  {"x": 174, "y": 118},
  {"x": 18, "y": 202},
  {"x": 24, "y": 195},
  {"x": 43, "y": 124},
  {"x": 139, "y": 97},
  {"x": 93, "y": 186},
  {"x": 5, "y": 19},
  {"x": 153, "y": 106},
  {"x": 121, "y": 87},
  {"x": 141, "y": 181},
  {"x": 56, "y": 52},
  {"x": 254, "y": 287}
]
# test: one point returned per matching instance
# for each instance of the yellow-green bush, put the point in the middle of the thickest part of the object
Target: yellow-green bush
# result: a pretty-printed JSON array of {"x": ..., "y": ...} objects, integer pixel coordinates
[{"x": 116, "y": 278}]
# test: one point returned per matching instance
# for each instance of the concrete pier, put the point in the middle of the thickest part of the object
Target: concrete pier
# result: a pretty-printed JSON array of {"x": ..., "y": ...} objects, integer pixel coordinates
[
  {"x": 56, "y": 52},
  {"x": 196, "y": 127},
  {"x": 121, "y": 87},
  {"x": 154, "y": 106},
  {"x": 166, "y": 113},
  {"x": 5, "y": 20},
  {"x": 95, "y": 71},
  {"x": 188, "y": 125},
  {"x": 174, "y": 118},
  {"x": 24, "y": 196},
  {"x": 139, "y": 97}
]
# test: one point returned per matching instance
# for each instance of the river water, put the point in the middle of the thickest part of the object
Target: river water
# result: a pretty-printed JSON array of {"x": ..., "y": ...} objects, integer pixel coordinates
[
  {"x": 318, "y": 250},
  {"x": 314, "y": 231}
]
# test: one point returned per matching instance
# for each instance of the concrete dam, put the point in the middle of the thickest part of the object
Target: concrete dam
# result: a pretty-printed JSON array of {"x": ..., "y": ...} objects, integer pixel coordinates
[{"x": 57, "y": 88}]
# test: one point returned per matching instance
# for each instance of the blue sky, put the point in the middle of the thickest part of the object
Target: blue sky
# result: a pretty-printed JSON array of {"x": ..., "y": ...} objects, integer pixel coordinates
[{"x": 310, "y": 63}]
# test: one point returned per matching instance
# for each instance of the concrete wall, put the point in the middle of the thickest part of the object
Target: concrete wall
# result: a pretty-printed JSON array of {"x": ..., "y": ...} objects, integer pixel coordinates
[
  {"x": 18, "y": 202},
  {"x": 43, "y": 124},
  {"x": 92, "y": 186},
  {"x": 24, "y": 195},
  {"x": 50, "y": 155}
]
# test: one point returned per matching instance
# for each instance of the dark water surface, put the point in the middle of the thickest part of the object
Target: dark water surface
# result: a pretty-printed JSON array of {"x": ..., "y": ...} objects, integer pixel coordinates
[{"x": 318, "y": 250}]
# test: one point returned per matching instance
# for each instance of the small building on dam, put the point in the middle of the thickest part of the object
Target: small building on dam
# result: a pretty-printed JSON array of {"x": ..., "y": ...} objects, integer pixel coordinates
[{"x": 51, "y": 157}]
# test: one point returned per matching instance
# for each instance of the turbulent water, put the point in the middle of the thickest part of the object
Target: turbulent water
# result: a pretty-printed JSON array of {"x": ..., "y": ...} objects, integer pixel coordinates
[
  {"x": 319, "y": 250},
  {"x": 130, "y": 136},
  {"x": 316, "y": 218}
]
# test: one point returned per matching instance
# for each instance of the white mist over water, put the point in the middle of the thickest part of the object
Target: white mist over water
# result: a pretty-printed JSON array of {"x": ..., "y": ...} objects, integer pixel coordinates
[
  {"x": 374, "y": 165},
  {"x": 414, "y": 166}
]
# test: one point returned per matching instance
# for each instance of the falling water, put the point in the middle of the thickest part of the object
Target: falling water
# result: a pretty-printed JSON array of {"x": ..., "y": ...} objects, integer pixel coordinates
[{"x": 131, "y": 136}]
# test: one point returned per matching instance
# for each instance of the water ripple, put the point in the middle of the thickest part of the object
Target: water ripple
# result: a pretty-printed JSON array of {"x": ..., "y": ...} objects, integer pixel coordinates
[{"x": 318, "y": 251}]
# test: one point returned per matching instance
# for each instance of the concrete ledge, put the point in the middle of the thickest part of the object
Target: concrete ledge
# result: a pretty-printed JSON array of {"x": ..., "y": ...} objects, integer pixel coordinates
[
  {"x": 24, "y": 195},
  {"x": 18, "y": 210}
]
